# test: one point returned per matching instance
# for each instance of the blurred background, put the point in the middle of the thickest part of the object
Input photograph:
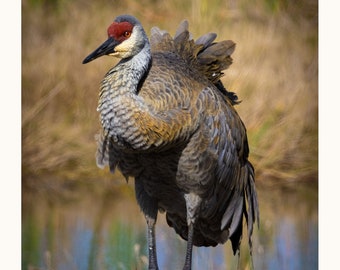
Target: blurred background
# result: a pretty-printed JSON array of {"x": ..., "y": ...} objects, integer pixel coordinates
[{"x": 77, "y": 216}]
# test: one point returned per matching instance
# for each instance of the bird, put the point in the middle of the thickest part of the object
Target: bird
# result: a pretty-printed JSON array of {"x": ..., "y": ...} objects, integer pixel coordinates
[{"x": 168, "y": 121}]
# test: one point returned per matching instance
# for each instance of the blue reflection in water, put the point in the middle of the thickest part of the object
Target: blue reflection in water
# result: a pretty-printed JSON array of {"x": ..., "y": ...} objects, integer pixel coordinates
[
  {"x": 288, "y": 253},
  {"x": 99, "y": 235},
  {"x": 291, "y": 251},
  {"x": 209, "y": 258},
  {"x": 81, "y": 237}
]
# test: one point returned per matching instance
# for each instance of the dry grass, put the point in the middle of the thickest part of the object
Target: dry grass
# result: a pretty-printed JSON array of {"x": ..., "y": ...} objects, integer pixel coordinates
[{"x": 275, "y": 73}]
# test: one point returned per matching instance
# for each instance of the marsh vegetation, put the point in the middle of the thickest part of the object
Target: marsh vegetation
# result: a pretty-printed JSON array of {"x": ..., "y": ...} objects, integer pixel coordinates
[{"x": 75, "y": 215}]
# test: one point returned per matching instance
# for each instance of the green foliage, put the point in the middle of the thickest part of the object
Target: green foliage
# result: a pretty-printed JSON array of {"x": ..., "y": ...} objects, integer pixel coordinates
[
  {"x": 121, "y": 251},
  {"x": 272, "y": 5},
  {"x": 30, "y": 243}
]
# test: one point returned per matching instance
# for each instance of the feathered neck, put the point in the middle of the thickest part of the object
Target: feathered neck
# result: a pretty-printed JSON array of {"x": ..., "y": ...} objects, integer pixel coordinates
[
  {"x": 131, "y": 71},
  {"x": 119, "y": 88}
]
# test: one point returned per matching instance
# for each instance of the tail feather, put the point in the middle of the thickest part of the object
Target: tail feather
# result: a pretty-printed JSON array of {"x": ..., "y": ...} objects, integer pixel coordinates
[
  {"x": 216, "y": 58},
  {"x": 161, "y": 41},
  {"x": 252, "y": 215},
  {"x": 182, "y": 28},
  {"x": 208, "y": 57},
  {"x": 206, "y": 40},
  {"x": 244, "y": 202}
]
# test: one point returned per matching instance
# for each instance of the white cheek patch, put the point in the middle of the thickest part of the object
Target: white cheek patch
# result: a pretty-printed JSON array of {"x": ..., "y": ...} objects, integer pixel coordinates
[
  {"x": 114, "y": 54},
  {"x": 127, "y": 45}
]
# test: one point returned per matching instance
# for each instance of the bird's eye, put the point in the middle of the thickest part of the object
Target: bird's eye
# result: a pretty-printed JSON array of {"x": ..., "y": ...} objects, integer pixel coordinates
[{"x": 127, "y": 34}]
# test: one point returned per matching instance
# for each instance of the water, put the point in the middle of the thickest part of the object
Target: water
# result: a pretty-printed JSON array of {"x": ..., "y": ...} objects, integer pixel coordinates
[{"x": 108, "y": 231}]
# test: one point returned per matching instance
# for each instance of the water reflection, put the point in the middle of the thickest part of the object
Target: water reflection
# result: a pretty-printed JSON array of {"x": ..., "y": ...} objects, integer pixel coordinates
[{"x": 109, "y": 232}]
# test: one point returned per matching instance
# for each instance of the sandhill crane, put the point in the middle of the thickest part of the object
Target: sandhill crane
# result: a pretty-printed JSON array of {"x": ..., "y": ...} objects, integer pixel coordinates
[{"x": 168, "y": 121}]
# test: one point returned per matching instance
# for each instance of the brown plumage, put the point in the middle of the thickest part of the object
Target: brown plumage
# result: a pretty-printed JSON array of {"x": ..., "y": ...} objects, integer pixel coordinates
[{"x": 169, "y": 122}]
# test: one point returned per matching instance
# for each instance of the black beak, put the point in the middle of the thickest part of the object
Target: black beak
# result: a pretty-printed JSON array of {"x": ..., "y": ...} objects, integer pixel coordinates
[{"x": 106, "y": 48}]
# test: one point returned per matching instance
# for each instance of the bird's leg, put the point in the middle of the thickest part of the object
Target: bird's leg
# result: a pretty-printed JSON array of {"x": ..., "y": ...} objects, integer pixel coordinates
[
  {"x": 151, "y": 222},
  {"x": 188, "y": 256},
  {"x": 149, "y": 206},
  {"x": 193, "y": 202}
]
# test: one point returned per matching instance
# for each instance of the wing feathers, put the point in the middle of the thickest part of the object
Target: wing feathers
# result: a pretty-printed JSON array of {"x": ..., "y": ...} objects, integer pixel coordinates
[{"x": 206, "y": 40}]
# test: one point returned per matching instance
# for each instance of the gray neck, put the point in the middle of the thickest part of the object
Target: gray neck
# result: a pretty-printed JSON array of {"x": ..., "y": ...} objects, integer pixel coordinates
[
  {"x": 126, "y": 75},
  {"x": 118, "y": 96}
]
